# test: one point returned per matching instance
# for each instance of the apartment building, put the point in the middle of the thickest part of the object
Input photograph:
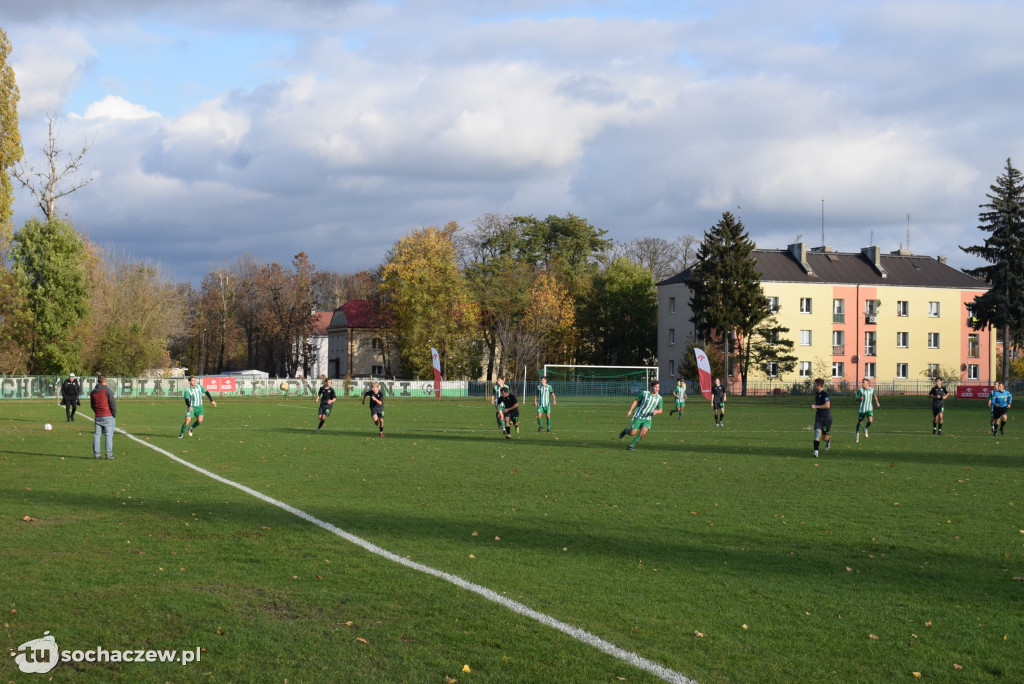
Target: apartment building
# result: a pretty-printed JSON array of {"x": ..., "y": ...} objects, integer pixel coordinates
[{"x": 887, "y": 317}]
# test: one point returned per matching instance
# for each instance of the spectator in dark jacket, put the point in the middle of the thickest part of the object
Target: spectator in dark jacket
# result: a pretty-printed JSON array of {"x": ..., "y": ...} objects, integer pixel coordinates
[
  {"x": 70, "y": 391},
  {"x": 105, "y": 407}
]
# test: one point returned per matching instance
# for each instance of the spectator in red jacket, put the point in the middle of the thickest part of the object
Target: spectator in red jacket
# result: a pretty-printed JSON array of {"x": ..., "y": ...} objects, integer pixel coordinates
[{"x": 105, "y": 407}]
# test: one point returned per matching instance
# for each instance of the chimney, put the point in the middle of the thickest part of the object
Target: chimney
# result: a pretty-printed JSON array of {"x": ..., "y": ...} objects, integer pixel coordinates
[
  {"x": 942, "y": 260},
  {"x": 799, "y": 252},
  {"x": 874, "y": 255}
]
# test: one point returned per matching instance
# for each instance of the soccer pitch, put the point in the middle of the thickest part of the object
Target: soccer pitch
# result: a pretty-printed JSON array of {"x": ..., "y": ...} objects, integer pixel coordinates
[{"x": 718, "y": 555}]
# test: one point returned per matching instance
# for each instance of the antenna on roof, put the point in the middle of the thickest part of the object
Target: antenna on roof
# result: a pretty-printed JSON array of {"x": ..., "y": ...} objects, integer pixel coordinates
[
  {"x": 822, "y": 221},
  {"x": 908, "y": 231},
  {"x": 739, "y": 212},
  {"x": 871, "y": 242}
]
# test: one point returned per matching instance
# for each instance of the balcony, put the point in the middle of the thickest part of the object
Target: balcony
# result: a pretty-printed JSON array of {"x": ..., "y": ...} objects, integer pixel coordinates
[
  {"x": 838, "y": 318},
  {"x": 838, "y": 350}
]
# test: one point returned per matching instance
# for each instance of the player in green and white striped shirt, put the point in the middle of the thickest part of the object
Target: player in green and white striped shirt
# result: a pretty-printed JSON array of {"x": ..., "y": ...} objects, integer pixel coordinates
[
  {"x": 496, "y": 400},
  {"x": 865, "y": 396},
  {"x": 646, "y": 405},
  {"x": 194, "y": 406},
  {"x": 545, "y": 396}
]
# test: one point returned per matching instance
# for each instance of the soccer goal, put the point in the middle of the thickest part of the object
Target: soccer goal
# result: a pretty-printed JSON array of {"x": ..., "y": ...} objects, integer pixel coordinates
[{"x": 590, "y": 382}]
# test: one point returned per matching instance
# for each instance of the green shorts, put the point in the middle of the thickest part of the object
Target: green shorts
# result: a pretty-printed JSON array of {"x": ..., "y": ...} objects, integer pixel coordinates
[
  {"x": 865, "y": 414},
  {"x": 546, "y": 410},
  {"x": 194, "y": 411},
  {"x": 640, "y": 422}
]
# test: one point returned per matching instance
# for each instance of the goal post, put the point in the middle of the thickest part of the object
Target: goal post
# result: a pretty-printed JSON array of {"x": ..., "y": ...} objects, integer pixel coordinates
[{"x": 591, "y": 382}]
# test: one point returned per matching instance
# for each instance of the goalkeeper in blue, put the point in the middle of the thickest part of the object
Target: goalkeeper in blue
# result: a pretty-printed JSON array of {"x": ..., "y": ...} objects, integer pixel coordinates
[
  {"x": 543, "y": 401},
  {"x": 999, "y": 401},
  {"x": 646, "y": 405}
]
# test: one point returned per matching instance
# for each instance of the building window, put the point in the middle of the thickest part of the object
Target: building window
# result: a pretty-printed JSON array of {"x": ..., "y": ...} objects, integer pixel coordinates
[
  {"x": 902, "y": 340},
  {"x": 377, "y": 370},
  {"x": 973, "y": 346},
  {"x": 671, "y": 336},
  {"x": 837, "y": 369},
  {"x": 869, "y": 369},
  {"x": 933, "y": 309},
  {"x": 672, "y": 369},
  {"x": 805, "y": 338},
  {"x": 972, "y": 371},
  {"x": 838, "y": 311},
  {"x": 933, "y": 340},
  {"x": 376, "y": 343},
  {"x": 773, "y": 304},
  {"x": 901, "y": 371},
  {"x": 902, "y": 309},
  {"x": 933, "y": 370},
  {"x": 805, "y": 369},
  {"x": 838, "y": 343},
  {"x": 671, "y": 305},
  {"x": 805, "y": 305},
  {"x": 870, "y": 343},
  {"x": 771, "y": 369}
]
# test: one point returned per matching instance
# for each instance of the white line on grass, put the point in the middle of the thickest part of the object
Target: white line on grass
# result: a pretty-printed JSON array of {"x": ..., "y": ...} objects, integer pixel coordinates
[{"x": 581, "y": 635}]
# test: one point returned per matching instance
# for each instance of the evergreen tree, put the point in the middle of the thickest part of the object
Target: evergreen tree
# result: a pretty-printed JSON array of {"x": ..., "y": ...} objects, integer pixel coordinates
[
  {"x": 768, "y": 344},
  {"x": 726, "y": 286},
  {"x": 1003, "y": 218}
]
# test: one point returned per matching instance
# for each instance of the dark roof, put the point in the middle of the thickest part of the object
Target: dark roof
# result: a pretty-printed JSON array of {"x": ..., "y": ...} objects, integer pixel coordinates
[
  {"x": 358, "y": 313},
  {"x": 851, "y": 268},
  {"x": 321, "y": 321}
]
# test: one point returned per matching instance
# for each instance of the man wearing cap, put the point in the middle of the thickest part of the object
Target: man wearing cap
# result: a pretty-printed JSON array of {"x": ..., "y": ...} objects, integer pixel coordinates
[{"x": 70, "y": 391}]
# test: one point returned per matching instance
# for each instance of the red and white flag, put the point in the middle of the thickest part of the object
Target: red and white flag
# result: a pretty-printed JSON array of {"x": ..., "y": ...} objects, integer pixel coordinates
[
  {"x": 704, "y": 371},
  {"x": 437, "y": 372}
]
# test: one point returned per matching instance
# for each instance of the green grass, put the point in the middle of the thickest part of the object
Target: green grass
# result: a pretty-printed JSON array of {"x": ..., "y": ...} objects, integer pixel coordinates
[{"x": 726, "y": 555}]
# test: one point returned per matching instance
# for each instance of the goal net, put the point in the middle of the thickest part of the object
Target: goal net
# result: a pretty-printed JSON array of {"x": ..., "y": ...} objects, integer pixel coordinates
[{"x": 591, "y": 382}]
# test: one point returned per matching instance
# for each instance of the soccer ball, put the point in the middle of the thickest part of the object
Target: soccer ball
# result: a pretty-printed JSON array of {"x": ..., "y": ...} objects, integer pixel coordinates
[
  {"x": 284, "y": 386},
  {"x": 47, "y": 427}
]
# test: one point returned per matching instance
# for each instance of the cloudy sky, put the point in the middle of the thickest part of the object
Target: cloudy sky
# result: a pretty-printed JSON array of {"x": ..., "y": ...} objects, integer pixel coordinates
[{"x": 333, "y": 127}]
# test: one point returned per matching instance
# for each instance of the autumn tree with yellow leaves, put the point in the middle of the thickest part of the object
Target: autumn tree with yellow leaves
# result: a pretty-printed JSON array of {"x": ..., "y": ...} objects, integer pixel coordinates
[{"x": 430, "y": 304}]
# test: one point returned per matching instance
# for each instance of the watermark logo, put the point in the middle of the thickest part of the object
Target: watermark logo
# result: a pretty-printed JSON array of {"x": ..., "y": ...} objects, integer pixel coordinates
[{"x": 37, "y": 656}]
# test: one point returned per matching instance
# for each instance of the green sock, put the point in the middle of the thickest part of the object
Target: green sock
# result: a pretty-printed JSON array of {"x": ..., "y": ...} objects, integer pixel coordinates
[
  {"x": 184, "y": 426},
  {"x": 195, "y": 426},
  {"x": 635, "y": 439}
]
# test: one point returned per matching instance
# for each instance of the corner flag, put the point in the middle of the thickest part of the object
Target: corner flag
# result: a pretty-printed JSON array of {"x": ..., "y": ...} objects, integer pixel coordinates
[
  {"x": 436, "y": 358},
  {"x": 704, "y": 370}
]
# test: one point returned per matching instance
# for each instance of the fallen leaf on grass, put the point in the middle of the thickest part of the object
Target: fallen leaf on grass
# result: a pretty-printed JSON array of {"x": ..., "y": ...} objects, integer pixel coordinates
[
  {"x": 957, "y": 666},
  {"x": 362, "y": 640},
  {"x": 917, "y": 675},
  {"x": 698, "y": 634},
  {"x": 28, "y": 518},
  {"x": 928, "y": 624},
  {"x": 465, "y": 668},
  {"x": 872, "y": 636},
  {"x": 450, "y": 680}
]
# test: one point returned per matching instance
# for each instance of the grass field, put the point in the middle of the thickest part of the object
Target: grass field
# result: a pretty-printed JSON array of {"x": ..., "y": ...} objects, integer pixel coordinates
[{"x": 723, "y": 555}]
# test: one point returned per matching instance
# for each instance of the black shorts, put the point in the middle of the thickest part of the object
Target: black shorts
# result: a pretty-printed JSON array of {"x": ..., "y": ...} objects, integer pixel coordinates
[
  {"x": 324, "y": 410},
  {"x": 823, "y": 424},
  {"x": 937, "y": 409},
  {"x": 999, "y": 411},
  {"x": 718, "y": 405},
  {"x": 513, "y": 415},
  {"x": 377, "y": 411}
]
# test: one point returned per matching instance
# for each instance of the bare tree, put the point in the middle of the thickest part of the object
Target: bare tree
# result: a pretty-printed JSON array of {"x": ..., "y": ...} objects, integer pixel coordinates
[
  {"x": 663, "y": 257},
  {"x": 47, "y": 185}
]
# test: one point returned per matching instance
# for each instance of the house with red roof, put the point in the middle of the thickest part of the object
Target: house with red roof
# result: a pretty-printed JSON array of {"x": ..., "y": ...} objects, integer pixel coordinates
[{"x": 356, "y": 343}]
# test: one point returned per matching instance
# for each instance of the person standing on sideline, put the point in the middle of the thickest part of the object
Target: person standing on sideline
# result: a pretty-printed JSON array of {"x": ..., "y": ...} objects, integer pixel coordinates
[
  {"x": 70, "y": 393},
  {"x": 545, "y": 397},
  {"x": 938, "y": 394},
  {"x": 822, "y": 416},
  {"x": 194, "y": 406},
  {"x": 643, "y": 409},
  {"x": 104, "y": 406},
  {"x": 718, "y": 402},
  {"x": 680, "y": 396},
  {"x": 376, "y": 406},
  {"x": 327, "y": 397},
  {"x": 999, "y": 401},
  {"x": 867, "y": 401}
]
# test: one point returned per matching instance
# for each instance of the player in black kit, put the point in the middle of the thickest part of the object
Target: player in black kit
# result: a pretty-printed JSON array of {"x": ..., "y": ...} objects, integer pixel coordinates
[
  {"x": 822, "y": 416},
  {"x": 938, "y": 395},
  {"x": 718, "y": 403},
  {"x": 376, "y": 405},
  {"x": 327, "y": 396},
  {"x": 509, "y": 411}
]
